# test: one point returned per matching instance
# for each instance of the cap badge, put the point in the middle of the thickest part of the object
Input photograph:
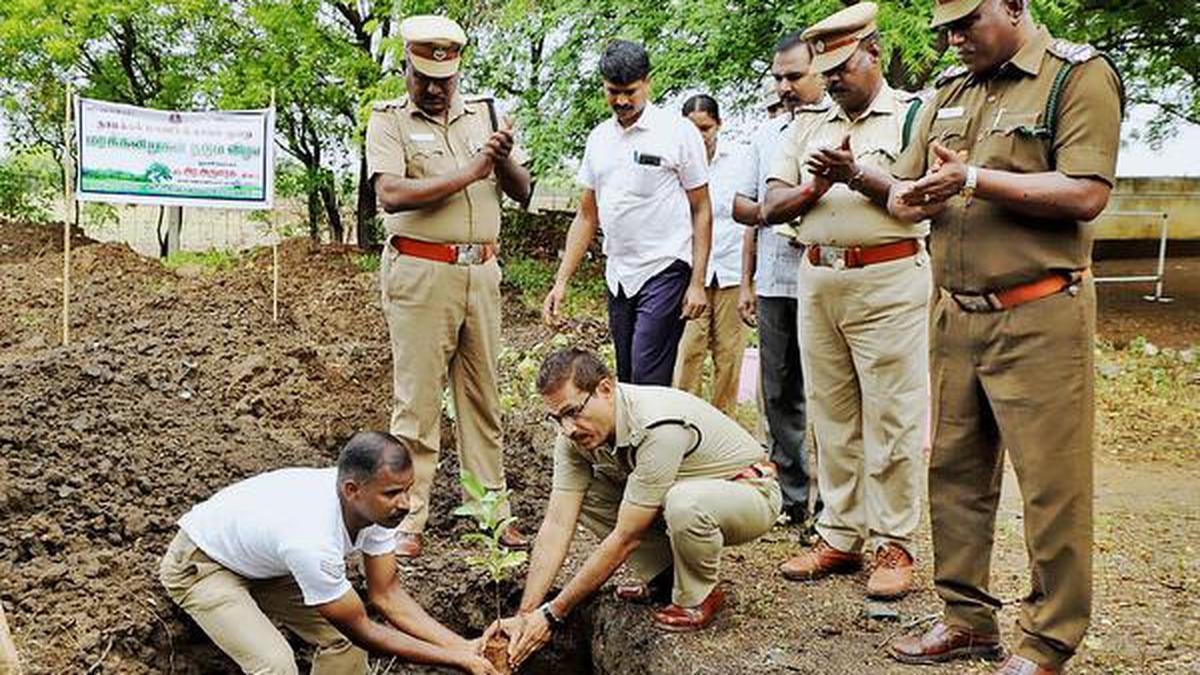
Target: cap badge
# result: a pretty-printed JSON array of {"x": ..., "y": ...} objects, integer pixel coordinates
[
  {"x": 819, "y": 46},
  {"x": 440, "y": 54}
]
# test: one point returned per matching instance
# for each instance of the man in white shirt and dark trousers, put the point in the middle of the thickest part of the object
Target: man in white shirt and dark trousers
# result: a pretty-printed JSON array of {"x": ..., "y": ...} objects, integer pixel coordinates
[
  {"x": 274, "y": 547},
  {"x": 769, "y": 288},
  {"x": 645, "y": 183}
]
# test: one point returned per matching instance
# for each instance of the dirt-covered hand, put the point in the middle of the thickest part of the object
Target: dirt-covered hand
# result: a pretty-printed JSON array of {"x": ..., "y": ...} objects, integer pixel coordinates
[
  {"x": 475, "y": 664},
  {"x": 694, "y": 302},
  {"x": 535, "y": 633}
]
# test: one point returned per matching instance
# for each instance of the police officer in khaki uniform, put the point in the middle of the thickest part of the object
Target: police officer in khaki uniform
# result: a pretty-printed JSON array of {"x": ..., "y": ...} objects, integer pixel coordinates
[
  {"x": 1012, "y": 158},
  {"x": 863, "y": 308},
  {"x": 661, "y": 477},
  {"x": 440, "y": 166}
]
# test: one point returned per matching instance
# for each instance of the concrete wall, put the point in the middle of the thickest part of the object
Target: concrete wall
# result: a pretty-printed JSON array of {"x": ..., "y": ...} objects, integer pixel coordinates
[
  {"x": 205, "y": 229},
  {"x": 1178, "y": 197}
]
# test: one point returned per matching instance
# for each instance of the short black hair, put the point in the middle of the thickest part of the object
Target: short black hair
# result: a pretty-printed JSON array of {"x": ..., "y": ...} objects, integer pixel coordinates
[
  {"x": 789, "y": 40},
  {"x": 625, "y": 62},
  {"x": 581, "y": 366},
  {"x": 366, "y": 451},
  {"x": 705, "y": 104}
]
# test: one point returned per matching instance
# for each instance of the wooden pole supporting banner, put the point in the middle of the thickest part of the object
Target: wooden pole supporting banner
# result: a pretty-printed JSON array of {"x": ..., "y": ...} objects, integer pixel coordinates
[
  {"x": 72, "y": 210},
  {"x": 274, "y": 240}
]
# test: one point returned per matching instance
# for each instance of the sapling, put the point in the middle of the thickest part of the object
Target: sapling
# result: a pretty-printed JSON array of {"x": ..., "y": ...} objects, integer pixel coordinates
[{"x": 486, "y": 508}]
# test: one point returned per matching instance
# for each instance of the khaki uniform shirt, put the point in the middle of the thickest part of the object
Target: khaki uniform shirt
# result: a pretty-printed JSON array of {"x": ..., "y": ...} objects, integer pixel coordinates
[
  {"x": 845, "y": 217},
  {"x": 663, "y": 436},
  {"x": 982, "y": 246},
  {"x": 403, "y": 141}
]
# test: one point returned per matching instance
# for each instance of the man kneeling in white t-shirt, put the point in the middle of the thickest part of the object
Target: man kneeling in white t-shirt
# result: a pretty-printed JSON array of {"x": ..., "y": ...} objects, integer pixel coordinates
[{"x": 274, "y": 546}]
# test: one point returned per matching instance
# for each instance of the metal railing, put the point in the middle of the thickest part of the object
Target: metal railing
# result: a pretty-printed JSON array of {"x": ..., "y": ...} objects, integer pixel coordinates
[{"x": 1159, "y": 276}]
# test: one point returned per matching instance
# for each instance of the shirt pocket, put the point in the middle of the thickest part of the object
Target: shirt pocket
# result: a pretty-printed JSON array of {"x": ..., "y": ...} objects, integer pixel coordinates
[
  {"x": 1015, "y": 141},
  {"x": 645, "y": 179},
  {"x": 878, "y": 154},
  {"x": 428, "y": 159}
]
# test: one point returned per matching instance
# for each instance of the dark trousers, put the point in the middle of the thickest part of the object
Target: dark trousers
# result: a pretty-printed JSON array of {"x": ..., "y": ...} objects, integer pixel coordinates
[
  {"x": 646, "y": 327},
  {"x": 783, "y": 398}
]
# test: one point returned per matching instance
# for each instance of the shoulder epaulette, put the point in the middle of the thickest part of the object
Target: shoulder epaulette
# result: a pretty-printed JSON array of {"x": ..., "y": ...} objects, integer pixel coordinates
[
  {"x": 390, "y": 103},
  {"x": 951, "y": 73},
  {"x": 1072, "y": 52}
]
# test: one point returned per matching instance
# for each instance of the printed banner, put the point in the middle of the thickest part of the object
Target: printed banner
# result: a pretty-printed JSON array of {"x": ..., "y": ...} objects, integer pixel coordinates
[{"x": 135, "y": 155}]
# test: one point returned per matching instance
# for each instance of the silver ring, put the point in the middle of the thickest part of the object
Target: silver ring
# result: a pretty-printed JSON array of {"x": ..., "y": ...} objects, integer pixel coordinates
[{"x": 926, "y": 197}]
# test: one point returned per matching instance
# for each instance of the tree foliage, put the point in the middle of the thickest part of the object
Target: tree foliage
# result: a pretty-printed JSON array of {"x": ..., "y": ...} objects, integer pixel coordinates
[{"x": 325, "y": 61}]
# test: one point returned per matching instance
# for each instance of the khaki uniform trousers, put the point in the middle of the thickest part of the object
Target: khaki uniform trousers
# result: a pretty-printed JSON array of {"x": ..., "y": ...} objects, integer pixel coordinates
[
  {"x": 444, "y": 318},
  {"x": 10, "y": 664},
  {"x": 718, "y": 330},
  {"x": 236, "y": 613},
  {"x": 699, "y": 519},
  {"x": 1020, "y": 380},
  {"x": 864, "y": 350}
]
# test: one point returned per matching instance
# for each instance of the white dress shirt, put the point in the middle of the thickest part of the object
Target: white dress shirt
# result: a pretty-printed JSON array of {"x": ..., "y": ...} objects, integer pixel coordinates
[
  {"x": 643, "y": 207},
  {"x": 725, "y": 257}
]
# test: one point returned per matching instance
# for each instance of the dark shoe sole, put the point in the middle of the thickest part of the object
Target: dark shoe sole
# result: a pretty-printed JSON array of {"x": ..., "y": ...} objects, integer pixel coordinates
[
  {"x": 993, "y": 653},
  {"x": 888, "y": 596},
  {"x": 799, "y": 576}
]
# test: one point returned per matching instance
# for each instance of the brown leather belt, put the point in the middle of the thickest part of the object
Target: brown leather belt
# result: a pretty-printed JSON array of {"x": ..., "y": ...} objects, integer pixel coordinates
[
  {"x": 1013, "y": 296},
  {"x": 455, "y": 254},
  {"x": 757, "y": 470},
  {"x": 853, "y": 257}
]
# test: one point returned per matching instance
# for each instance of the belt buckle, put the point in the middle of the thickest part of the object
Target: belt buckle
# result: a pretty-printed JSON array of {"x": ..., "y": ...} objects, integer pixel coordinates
[
  {"x": 833, "y": 256},
  {"x": 468, "y": 254},
  {"x": 974, "y": 303}
]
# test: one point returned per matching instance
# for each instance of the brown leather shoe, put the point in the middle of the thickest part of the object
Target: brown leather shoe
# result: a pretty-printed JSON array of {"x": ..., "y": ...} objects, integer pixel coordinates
[
  {"x": 1019, "y": 665},
  {"x": 945, "y": 643},
  {"x": 819, "y": 561},
  {"x": 678, "y": 619},
  {"x": 892, "y": 575},
  {"x": 514, "y": 538},
  {"x": 408, "y": 544}
]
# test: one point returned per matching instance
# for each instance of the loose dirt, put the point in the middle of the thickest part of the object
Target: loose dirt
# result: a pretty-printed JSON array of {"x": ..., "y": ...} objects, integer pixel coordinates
[{"x": 175, "y": 385}]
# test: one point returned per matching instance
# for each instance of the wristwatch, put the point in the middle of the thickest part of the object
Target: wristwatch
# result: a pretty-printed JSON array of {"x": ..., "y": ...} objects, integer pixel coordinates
[
  {"x": 551, "y": 619},
  {"x": 968, "y": 188}
]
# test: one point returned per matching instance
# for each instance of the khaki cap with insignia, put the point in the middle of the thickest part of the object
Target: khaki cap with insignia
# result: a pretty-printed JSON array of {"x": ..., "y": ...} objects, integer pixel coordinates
[
  {"x": 433, "y": 43},
  {"x": 835, "y": 38},
  {"x": 948, "y": 11}
]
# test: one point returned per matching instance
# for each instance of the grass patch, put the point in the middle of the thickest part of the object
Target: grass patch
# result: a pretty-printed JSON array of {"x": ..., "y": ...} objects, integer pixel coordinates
[
  {"x": 367, "y": 262},
  {"x": 532, "y": 280},
  {"x": 210, "y": 261},
  {"x": 1148, "y": 402}
]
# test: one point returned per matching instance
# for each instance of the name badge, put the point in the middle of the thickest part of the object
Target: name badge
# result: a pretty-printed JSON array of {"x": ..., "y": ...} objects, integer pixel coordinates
[
  {"x": 949, "y": 113},
  {"x": 421, "y": 138}
]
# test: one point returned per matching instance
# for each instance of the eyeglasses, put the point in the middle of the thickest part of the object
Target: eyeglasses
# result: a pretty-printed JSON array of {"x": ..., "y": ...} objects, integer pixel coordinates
[{"x": 572, "y": 413}]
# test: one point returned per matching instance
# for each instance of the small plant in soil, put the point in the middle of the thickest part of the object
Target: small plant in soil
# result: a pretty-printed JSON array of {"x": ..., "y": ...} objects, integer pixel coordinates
[{"x": 493, "y": 557}]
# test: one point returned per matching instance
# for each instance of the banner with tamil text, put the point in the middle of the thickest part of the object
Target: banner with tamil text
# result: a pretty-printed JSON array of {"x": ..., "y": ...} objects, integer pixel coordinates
[{"x": 135, "y": 155}]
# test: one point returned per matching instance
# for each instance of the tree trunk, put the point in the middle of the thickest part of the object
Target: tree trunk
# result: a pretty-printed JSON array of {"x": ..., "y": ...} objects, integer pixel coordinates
[
  {"x": 314, "y": 214},
  {"x": 332, "y": 215},
  {"x": 368, "y": 236}
]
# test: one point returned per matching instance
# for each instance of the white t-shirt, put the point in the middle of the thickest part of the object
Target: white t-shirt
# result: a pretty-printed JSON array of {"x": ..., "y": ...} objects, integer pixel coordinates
[
  {"x": 643, "y": 207},
  {"x": 284, "y": 522}
]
